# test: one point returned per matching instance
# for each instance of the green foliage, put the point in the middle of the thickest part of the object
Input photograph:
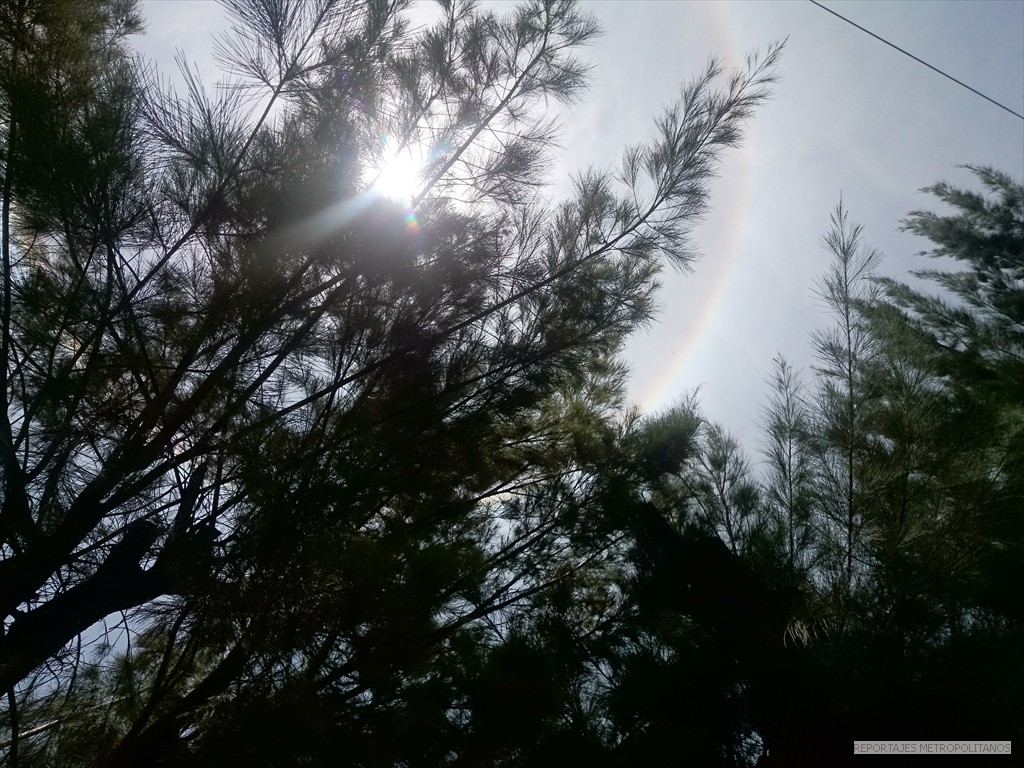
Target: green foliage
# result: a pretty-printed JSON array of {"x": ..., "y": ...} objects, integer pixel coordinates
[
  {"x": 298, "y": 474},
  {"x": 789, "y": 477},
  {"x": 914, "y": 442},
  {"x": 340, "y": 464}
]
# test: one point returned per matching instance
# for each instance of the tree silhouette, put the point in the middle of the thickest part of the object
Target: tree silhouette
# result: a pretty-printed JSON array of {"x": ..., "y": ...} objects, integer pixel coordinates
[{"x": 281, "y": 455}]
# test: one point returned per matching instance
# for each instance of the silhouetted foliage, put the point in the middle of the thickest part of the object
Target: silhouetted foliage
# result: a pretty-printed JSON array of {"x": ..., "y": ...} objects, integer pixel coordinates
[
  {"x": 294, "y": 472},
  {"x": 914, "y": 442}
]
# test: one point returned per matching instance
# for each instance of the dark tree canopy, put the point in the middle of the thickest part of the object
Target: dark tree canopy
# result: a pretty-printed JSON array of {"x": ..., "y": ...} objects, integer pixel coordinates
[
  {"x": 277, "y": 448},
  {"x": 299, "y": 472}
]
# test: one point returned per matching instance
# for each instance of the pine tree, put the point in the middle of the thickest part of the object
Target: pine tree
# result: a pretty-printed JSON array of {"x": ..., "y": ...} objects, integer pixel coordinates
[
  {"x": 906, "y": 620},
  {"x": 953, "y": 555},
  {"x": 282, "y": 456},
  {"x": 844, "y": 352},
  {"x": 789, "y": 476}
]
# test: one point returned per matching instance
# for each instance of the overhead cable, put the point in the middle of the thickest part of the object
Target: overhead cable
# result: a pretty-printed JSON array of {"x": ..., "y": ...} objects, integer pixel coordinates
[{"x": 915, "y": 58}]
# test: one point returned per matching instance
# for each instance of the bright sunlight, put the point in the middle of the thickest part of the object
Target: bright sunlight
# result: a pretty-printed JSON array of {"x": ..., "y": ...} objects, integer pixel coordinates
[{"x": 399, "y": 174}]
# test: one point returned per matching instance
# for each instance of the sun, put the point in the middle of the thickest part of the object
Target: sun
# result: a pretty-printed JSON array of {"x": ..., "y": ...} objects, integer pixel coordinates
[{"x": 399, "y": 174}]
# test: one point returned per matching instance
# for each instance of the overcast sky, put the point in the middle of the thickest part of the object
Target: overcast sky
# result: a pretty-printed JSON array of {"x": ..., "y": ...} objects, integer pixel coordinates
[{"x": 851, "y": 117}]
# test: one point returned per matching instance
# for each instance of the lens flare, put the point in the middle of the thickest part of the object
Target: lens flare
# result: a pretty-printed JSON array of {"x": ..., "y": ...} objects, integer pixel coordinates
[{"x": 398, "y": 176}]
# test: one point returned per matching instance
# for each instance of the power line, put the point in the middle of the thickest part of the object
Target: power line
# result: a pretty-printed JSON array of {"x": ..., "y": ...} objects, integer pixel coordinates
[{"x": 921, "y": 61}]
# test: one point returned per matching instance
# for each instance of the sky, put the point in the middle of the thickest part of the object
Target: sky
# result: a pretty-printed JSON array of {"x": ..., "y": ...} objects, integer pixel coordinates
[{"x": 851, "y": 118}]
